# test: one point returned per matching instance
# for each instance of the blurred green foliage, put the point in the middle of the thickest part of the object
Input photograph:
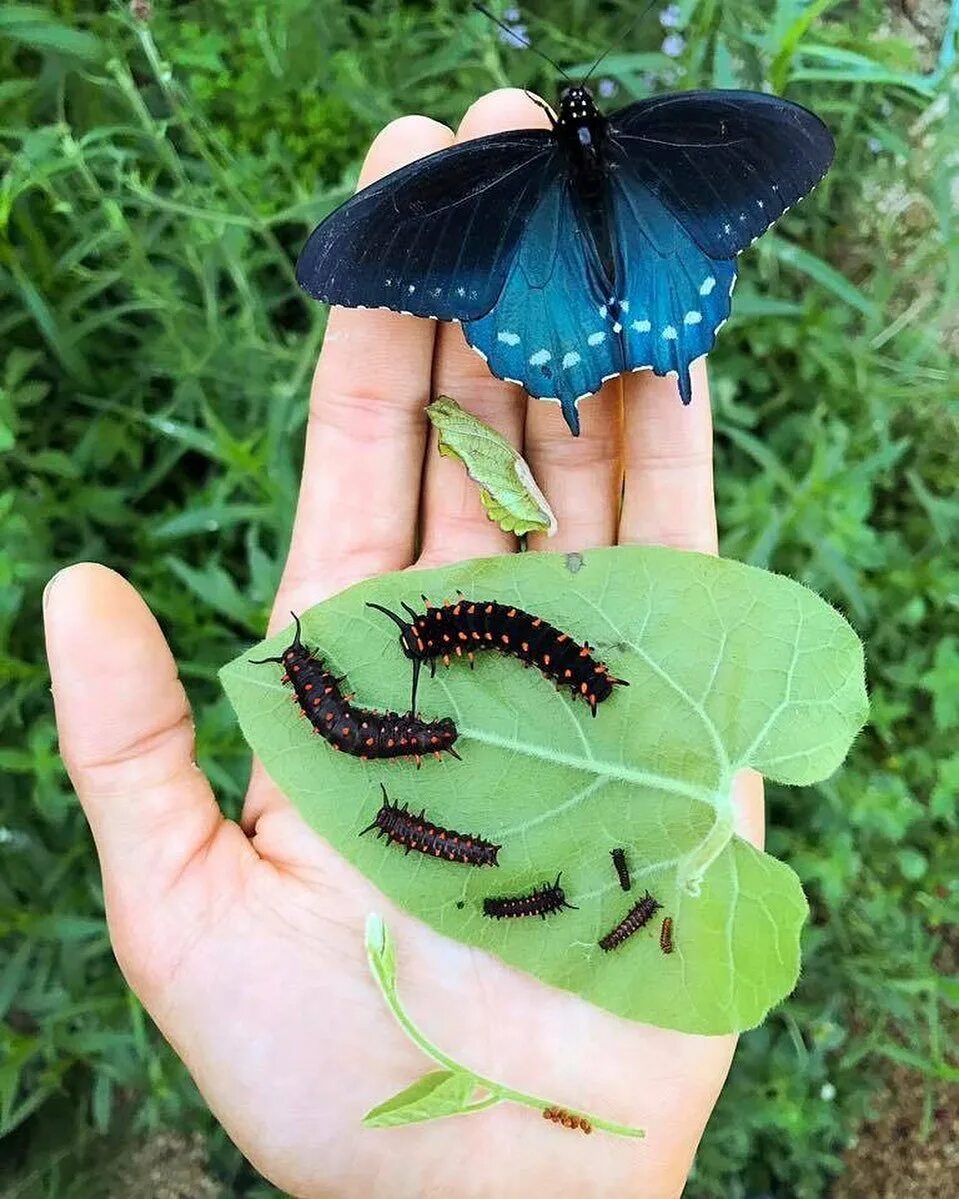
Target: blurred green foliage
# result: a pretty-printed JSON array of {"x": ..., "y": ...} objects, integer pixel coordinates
[{"x": 158, "y": 178}]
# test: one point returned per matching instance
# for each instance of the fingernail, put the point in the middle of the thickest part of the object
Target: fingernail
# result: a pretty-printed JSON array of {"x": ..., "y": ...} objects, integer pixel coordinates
[{"x": 49, "y": 587}]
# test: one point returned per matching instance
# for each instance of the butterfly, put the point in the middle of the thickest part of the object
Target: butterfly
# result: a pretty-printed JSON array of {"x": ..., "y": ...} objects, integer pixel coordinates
[{"x": 575, "y": 253}]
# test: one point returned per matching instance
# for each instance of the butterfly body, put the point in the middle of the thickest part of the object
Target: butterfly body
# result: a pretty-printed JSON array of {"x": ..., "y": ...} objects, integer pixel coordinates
[{"x": 575, "y": 253}]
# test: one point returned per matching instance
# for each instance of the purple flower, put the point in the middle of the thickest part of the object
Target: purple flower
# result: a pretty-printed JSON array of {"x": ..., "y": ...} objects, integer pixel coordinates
[
  {"x": 511, "y": 14},
  {"x": 515, "y": 35},
  {"x": 875, "y": 145},
  {"x": 671, "y": 17},
  {"x": 674, "y": 45},
  {"x": 607, "y": 88}
]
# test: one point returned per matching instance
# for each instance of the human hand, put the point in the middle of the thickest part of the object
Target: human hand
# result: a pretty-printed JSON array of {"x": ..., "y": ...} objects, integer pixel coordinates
[{"x": 245, "y": 942}]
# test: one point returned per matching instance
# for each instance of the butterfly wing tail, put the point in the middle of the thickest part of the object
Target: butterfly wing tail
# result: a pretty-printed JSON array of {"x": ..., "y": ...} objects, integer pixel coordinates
[{"x": 570, "y": 409}]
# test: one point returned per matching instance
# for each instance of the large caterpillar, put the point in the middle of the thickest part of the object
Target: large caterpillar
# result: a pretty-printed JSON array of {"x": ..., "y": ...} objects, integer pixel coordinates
[
  {"x": 544, "y": 901},
  {"x": 357, "y": 731},
  {"x": 468, "y": 626},
  {"x": 637, "y": 916},
  {"x": 403, "y": 827}
]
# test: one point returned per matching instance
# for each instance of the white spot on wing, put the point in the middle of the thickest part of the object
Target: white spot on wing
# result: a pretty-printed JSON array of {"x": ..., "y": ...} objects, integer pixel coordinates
[
  {"x": 508, "y": 339},
  {"x": 642, "y": 326},
  {"x": 617, "y": 327},
  {"x": 693, "y": 317},
  {"x": 540, "y": 357},
  {"x": 596, "y": 339},
  {"x": 669, "y": 333},
  {"x": 707, "y": 285},
  {"x": 411, "y": 288},
  {"x": 602, "y": 311},
  {"x": 571, "y": 359}
]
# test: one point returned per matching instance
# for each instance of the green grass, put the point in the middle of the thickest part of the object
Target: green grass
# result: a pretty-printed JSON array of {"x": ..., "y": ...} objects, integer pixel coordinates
[{"x": 154, "y": 360}]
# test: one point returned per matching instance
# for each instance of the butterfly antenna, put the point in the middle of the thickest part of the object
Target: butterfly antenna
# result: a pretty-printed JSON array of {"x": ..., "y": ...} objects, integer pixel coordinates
[
  {"x": 262, "y": 661},
  {"x": 621, "y": 38},
  {"x": 518, "y": 38}
]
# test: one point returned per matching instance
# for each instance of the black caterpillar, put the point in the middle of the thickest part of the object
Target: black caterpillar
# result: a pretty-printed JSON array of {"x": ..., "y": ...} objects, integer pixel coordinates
[
  {"x": 544, "y": 901},
  {"x": 622, "y": 870},
  {"x": 399, "y": 825},
  {"x": 357, "y": 731},
  {"x": 638, "y": 915},
  {"x": 468, "y": 626}
]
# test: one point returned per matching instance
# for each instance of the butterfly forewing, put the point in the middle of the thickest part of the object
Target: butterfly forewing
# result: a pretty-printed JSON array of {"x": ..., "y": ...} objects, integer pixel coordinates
[
  {"x": 726, "y": 163},
  {"x": 436, "y": 237}
]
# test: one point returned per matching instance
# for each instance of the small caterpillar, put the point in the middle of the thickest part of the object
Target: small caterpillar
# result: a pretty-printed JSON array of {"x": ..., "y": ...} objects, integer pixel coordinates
[
  {"x": 666, "y": 935},
  {"x": 560, "y": 1116},
  {"x": 619, "y": 861},
  {"x": 543, "y": 902},
  {"x": 468, "y": 626},
  {"x": 400, "y": 826},
  {"x": 632, "y": 922},
  {"x": 357, "y": 731}
]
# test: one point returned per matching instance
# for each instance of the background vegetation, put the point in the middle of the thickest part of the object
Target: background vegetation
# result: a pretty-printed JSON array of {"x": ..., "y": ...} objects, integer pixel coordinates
[{"x": 158, "y": 177}]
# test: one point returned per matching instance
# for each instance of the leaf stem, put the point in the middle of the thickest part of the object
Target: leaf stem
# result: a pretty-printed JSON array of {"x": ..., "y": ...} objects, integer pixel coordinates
[
  {"x": 379, "y": 956},
  {"x": 692, "y": 868}
]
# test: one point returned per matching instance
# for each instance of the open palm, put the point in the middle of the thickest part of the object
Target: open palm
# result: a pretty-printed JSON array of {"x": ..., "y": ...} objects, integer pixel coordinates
[{"x": 245, "y": 942}]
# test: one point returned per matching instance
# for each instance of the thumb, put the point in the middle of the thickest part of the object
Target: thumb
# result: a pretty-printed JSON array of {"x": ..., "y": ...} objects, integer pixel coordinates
[{"x": 126, "y": 736}]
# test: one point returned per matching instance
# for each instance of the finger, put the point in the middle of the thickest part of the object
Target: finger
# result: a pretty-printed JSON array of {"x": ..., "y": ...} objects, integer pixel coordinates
[
  {"x": 669, "y": 464},
  {"x": 359, "y": 495},
  {"x": 455, "y": 524},
  {"x": 669, "y": 501},
  {"x": 582, "y": 477},
  {"x": 127, "y": 740}
]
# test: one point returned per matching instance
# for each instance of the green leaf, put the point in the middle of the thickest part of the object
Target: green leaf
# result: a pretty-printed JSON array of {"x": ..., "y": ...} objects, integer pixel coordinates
[
  {"x": 32, "y": 26},
  {"x": 825, "y": 275},
  {"x": 508, "y": 490},
  {"x": 379, "y": 949},
  {"x": 729, "y": 667},
  {"x": 439, "y": 1093}
]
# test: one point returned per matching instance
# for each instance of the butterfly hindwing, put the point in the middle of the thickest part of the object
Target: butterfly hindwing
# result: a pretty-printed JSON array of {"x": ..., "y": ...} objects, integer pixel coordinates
[
  {"x": 548, "y": 329},
  {"x": 673, "y": 297},
  {"x": 434, "y": 238},
  {"x": 559, "y": 327}
]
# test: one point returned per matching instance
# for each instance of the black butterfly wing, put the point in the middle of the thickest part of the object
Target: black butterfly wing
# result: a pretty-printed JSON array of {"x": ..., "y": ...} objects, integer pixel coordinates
[
  {"x": 436, "y": 237},
  {"x": 725, "y": 163}
]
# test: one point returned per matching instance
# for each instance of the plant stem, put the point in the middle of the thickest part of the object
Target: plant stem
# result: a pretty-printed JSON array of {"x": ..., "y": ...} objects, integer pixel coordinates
[{"x": 497, "y": 1091}]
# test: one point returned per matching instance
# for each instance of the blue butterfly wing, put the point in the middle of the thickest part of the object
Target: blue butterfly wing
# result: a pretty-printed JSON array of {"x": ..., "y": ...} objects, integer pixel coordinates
[
  {"x": 436, "y": 237},
  {"x": 672, "y": 296},
  {"x": 560, "y": 329},
  {"x": 725, "y": 163},
  {"x": 548, "y": 330},
  {"x": 693, "y": 178}
]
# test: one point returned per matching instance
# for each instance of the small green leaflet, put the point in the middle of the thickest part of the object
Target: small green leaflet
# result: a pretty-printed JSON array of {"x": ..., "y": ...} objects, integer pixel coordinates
[
  {"x": 729, "y": 666},
  {"x": 439, "y": 1093},
  {"x": 508, "y": 490}
]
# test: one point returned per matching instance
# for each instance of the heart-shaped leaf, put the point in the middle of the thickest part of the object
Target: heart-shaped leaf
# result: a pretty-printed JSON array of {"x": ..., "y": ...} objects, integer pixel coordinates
[{"x": 728, "y": 667}]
